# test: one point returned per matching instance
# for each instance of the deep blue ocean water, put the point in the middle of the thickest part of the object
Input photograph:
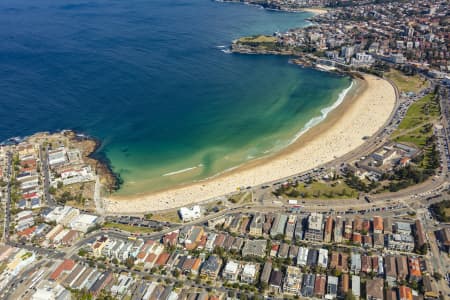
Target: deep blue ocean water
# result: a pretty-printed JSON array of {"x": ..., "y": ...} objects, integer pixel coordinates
[{"x": 149, "y": 79}]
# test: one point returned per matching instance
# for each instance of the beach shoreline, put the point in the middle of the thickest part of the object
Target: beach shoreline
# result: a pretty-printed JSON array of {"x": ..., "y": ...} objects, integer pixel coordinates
[
  {"x": 315, "y": 11},
  {"x": 365, "y": 110}
]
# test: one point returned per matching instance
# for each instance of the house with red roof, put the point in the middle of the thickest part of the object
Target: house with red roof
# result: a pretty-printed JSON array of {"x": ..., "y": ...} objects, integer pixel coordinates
[{"x": 63, "y": 269}]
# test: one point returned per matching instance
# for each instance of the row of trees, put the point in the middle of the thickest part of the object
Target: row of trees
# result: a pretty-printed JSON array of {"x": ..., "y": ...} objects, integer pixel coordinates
[{"x": 442, "y": 210}]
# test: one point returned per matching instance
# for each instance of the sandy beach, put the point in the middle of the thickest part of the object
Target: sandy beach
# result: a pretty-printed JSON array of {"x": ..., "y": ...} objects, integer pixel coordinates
[
  {"x": 316, "y": 11},
  {"x": 365, "y": 110}
]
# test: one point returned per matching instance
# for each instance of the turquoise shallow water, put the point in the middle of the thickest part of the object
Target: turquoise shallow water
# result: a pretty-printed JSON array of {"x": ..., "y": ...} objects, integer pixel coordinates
[{"x": 149, "y": 79}]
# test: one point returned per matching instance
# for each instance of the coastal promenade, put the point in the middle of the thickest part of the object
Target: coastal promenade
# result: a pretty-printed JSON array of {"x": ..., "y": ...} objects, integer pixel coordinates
[{"x": 364, "y": 111}]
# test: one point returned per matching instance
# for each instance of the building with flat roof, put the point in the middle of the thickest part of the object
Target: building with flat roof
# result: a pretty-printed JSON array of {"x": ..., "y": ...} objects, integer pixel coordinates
[
  {"x": 256, "y": 225},
  {"x": 255, "y": 248},
  {"x": 323, "y": 258},
  {"x": 265, "y": 274},
  {"x": 313, "y": 255},
  {"x": 298, "y": 233},
  {"x": 332, "y": 287},
  {"x": 290, "y": 227},
  {"x": 231, "y": 271},
  {"x": 278, "y": 225},
  {"x": 314, "y": 232},
  {"x": 403, "y": 228},
  {"x": 355, "y": 263},
  {"x": 302, "y": 256},
  {"x": 338, "y": 227},
  {"x": 387, "y": 225},
  {"x": 400, "y": 242},
  {"x": 83, "y": 222},
  {"x": 249, "y": 272},
  {"x": 211, "y": 267},
  {"x": 308, "y": 282},
  {"x": 276, "y": 281},
  {"x": 188, "y": 214},
  {"x": 292, "y": 281},
  {"x": 356, "y": 286},
  {"x": 48, "y": 291}
]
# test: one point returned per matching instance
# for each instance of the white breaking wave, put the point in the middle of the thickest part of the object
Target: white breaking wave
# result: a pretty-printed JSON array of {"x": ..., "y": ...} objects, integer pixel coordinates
[
  {"x": 183, "y": 170},
  {"x": 324, "y": 113},
  {"x": 311, "y": 123}
]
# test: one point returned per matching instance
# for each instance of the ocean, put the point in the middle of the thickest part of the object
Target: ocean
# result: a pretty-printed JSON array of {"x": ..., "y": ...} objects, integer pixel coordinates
[{"x": 152, "y": 80}]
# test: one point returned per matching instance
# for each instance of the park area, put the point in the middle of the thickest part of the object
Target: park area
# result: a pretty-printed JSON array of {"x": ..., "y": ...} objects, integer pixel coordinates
[
  {"x": 417, "y": 126},
  {"x": 337, "y": 189},
  {"x": 406, "y": 83}
]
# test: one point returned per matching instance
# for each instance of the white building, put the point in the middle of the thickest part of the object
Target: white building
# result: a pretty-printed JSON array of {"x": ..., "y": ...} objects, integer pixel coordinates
[
  {"x": 57, "y": 157},
  {"x": 59, "y": 214},
  {"x": 72, "y": 176},
  {"x": 302, "y": 256},
  {"x": 356, "y": 286},
  {"x": 362, "y": 59},
  {"x": 332, "y": 287},
  {"x": 83, "y": 222},
  {"x": 355, "y": 264},
  {"x": 248, "y": 274},
  {"x": 209, "y": 246},
  {"x": 189, "y": 214},
  {"x": 51, "y": 292},
  {"x": 323, "y": 258},
  {"x": 231, "y": 271}
]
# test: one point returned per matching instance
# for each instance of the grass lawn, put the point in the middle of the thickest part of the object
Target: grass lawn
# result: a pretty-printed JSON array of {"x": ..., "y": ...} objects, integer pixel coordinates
[
  {"x": 417, "y": 125},
  {"x": 245, "y": 197},
  {"x": 171, "y": 216},
  {"x": 257, "y": 39},
  {"x": 406, "y": 83},
  {"x": 417, "y": 136},
  {"x": 322, "y": 190},
  {"x": 129, "y": 228},
  {"x": 447, "y": 212}
]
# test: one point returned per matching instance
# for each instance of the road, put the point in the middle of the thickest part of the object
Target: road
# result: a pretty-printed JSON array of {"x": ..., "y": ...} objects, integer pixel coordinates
[
  {"x": 46, "y": 171},
  {"x": 8, "y": 199},
  {"x": 97, "y": 197}
]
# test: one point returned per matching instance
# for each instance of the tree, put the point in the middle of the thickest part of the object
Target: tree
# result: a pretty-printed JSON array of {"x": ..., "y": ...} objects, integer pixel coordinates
[
  {"x": 52, "y": 190},
  {"x": 176, "y": 273},
  {"x": 66, "y": 196},
  {"x": 349, "y": 295},
  {"x": 104, "y": 295},
  {"x": 263, "y": 286},
  {"x": 437, "y": 276},
  {"x": 129, "y": 262},
  {"x": 82, "y": 252},
  {"x": 414, "y": 285}
]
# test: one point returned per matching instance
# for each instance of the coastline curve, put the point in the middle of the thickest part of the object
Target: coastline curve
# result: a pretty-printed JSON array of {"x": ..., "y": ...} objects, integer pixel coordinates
[{"x": 363, "y": 112}]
